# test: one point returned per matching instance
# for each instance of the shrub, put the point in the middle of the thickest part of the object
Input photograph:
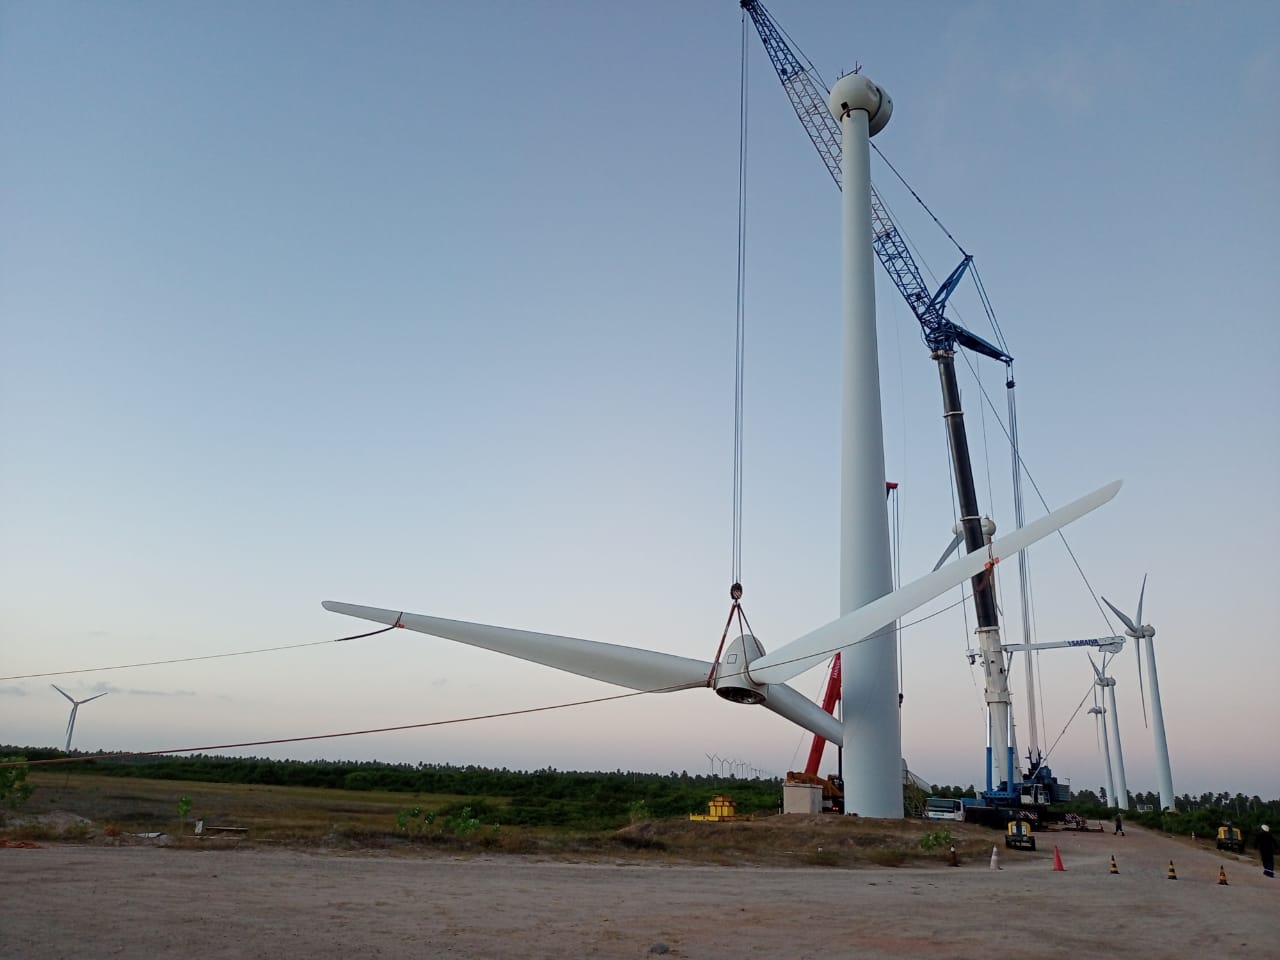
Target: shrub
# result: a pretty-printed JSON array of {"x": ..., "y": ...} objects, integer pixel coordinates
[
  {"x": 461, "y": 824},
  {"x": 14, "y": 789},
  {"x": 936, "y": 840}
]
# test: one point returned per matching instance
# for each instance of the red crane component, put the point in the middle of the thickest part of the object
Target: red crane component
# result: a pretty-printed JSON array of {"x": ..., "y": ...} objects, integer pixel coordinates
[{"x": 829, "y": 700}]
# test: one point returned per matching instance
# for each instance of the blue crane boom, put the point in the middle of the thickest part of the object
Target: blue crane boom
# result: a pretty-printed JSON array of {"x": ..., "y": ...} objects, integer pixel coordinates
[{"x": 808, "y": 98}]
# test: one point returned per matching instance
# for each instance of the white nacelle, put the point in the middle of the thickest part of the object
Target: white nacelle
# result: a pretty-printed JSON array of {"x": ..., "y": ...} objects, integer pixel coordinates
[{"x": 856, "y": 92}]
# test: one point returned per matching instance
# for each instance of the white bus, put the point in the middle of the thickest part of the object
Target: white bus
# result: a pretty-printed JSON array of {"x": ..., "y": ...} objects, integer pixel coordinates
[{"x": 944, "y": 808}]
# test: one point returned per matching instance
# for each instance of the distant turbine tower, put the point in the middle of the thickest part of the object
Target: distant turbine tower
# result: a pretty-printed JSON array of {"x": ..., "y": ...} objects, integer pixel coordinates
[
  {"x": 75, "y": 705},
  {"x": 1108, "y": 685},
  {"x": 1101, "y": 728}
]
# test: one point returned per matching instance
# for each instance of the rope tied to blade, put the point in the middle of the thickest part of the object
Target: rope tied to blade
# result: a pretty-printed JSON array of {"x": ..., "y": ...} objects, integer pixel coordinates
[{"x": 373, "y": 633}]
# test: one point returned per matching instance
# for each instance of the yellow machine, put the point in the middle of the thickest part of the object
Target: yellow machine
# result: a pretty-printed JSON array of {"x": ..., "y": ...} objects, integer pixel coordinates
[
  {"x": 1018, "y": 834},
  {"x": 1229, "y": 838}
]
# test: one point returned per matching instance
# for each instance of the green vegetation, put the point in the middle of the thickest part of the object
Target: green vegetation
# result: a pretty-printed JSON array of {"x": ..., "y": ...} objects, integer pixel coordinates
[
  {"x": 936, "y": 840},
  {"x": 14, "y": 789},
  {"x": 541, "y": 798},
  {"x": 441, "y": 801}
]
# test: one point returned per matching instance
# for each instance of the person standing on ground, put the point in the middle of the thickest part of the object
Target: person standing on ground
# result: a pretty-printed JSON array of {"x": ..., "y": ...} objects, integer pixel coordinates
[
  {"x": 1119, "y": 826},
  {"x": 1266, "y": 844}
]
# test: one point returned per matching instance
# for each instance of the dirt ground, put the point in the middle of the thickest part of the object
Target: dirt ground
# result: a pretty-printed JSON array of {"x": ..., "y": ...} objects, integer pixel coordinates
[{"x": 244, "y": 900}]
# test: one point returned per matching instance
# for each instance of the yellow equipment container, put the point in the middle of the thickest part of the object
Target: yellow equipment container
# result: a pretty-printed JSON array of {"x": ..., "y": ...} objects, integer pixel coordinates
[{"x": 720, "y": 808}]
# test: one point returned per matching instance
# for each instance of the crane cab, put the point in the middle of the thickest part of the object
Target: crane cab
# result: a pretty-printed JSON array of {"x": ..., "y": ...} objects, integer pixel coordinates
[{"x": 1033, "y": 794}]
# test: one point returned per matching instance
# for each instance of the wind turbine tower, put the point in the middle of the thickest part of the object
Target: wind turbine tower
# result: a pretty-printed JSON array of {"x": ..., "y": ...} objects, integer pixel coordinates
[
  {"x": 868, "y": 683},
  {"x": 1108, "y": 685},
  {"x": 1101, "y": 714},
  {"x": 75, "y": 705}
]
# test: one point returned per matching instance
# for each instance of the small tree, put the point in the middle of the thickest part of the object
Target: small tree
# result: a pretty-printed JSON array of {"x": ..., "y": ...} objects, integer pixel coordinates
[
  {"x": 184, "y": 808},
  {"x": 14, "y": 789}
]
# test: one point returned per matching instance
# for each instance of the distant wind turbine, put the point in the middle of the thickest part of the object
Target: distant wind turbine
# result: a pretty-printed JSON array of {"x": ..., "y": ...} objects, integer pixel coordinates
[
  {"x": 75, "y": 705},
  {"x": 1144, "y": 635},
  {"x": 1108, "y": 685},
  {"x": 1101, "y": 729}
]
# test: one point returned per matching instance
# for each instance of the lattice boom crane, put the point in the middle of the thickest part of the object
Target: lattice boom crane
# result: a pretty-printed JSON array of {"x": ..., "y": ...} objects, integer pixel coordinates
[{"x": 808, "y": 97}]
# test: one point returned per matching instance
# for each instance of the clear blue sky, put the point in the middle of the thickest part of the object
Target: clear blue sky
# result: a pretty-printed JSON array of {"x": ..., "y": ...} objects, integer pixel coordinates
[{"x": 431, "y": 307}]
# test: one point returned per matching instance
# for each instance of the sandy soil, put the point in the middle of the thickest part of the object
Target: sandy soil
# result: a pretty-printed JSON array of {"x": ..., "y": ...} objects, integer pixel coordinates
[{"x": 247, "y": 901}]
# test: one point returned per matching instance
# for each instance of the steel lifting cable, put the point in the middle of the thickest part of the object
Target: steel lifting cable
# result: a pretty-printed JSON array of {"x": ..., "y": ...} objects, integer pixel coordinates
[
  {"x": 897, "y": 583},
  {"x": 740, "y": 327},
  {"x": 739, "y": 365},
  {"x": 919, "y": 200}
]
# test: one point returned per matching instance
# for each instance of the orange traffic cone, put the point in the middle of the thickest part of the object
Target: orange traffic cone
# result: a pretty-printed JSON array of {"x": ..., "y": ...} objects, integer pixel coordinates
[
  {"x": 1114, "y": 868},
  {"x": 1172, "y": 875},
  {"x": 1057, "y": 860},
  {"x": 952, "y": 859},
  {"x": 1222, "y": 877}
]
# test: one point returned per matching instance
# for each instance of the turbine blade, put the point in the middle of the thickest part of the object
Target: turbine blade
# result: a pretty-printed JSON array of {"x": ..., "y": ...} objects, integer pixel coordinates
[
  {"x": 623, "y": 666},
  {"x": 95, "y": 696},
  {"x": 951, "y": 548},
  {"x": 1141, "y": 593},
  {"x": 1096, "y": 672},
  {"x": 793, "y": 705},
  {"x": 1123, "y": 619},
  {"x": 63, "y": 692},
  {"x": 801, "y": 654}
]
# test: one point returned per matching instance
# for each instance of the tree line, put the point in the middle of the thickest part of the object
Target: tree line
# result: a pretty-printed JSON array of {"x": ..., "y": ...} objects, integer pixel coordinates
[
  {"x": 546, "y": 797},
  {"x": 602, "y": 800}
]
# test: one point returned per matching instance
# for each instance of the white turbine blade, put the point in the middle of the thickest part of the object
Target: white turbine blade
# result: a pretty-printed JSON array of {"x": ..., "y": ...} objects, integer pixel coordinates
[
  {"x": 1141, "y": 593},
  {"x": 95, "y": 696},
  {"x": 801, "y": 654},
  {"x": 790, "y": 703},
  {"x": 1096, "y": 671},
  {"x": 623, "y": 666},
  {"x": 1123, "y": 619},
  {"x": 951, "y": 548},
  {"x": 63, "y": 692},
  {"x": 71, "y": 724}
]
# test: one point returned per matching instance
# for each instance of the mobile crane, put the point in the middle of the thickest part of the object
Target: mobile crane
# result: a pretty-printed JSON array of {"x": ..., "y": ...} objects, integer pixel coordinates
[{"x": 1005, "y": 788}]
